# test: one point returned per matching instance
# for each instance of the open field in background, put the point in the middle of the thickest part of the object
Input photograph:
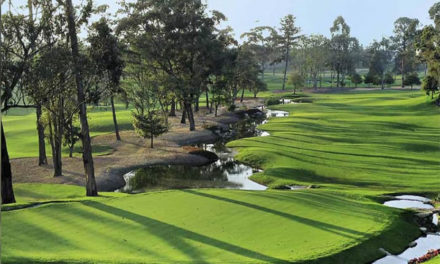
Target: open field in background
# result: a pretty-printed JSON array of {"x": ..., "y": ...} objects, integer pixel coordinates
[
  {"x": 22, "y": 138},
  {"x": 274, "y": 81}
]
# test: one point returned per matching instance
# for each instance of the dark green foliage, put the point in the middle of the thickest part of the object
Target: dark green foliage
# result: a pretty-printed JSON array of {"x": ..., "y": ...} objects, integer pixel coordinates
[
  {"x": 356, "y": 78},
  {"x": 370, "y": 78},
  {"x": 272, "y": 101},
  {"x": 412, "y": 79},
  {"x": 388, "y": 79},
  {"x": 430, "y": 85},
  {"x": 150, "y": 125},
  {"x": 72, "y": 135}
]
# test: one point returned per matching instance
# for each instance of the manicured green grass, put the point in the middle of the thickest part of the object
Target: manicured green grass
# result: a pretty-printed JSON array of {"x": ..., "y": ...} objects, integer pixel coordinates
[
  {"x": 382, "y": 140},
  {"x": 198, "y": 226},
  {"x": 355, "y": 146}
]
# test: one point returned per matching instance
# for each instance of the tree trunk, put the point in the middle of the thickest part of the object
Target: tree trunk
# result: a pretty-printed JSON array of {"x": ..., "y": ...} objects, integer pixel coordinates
[
  {"x": 192, "y": 124},
  {"x": 183, "y": 119},
  {"x": 42, "y": 158},
  {"x": 402, "y": 69},
  {"x": 242, "y": 95},
  {"x": 173, "y": 108},
  {"x": 91, "y": 188},
  {"x": 382, "y": 82},
  {"x": 196, "y": 105},
  {"x": 207, "y": 98},
  {"x": 70, "y": 151},
  {"x": 216, "y": 110},
  {"x": 6, "y": 177},
  {"x": 338, "y": 79},
  {"x": 115, "y": 122},
  {"x": 234, "y": 93},
  {"x": 56, "y": 157},
  {"x": 285, "y": 68},
  {"x": 151, "y": 140}
]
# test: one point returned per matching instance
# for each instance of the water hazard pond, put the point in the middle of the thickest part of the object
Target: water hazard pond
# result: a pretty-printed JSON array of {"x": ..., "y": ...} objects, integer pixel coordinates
[
  {"x": 421, "y": 246},
  {"x": 226, "y": 172}
]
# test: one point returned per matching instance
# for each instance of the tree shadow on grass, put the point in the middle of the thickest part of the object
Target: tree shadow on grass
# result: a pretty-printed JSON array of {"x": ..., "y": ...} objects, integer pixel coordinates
[
  {"x": 339, "y": 230},
  {"x": 325, "y": 202},
  {"x": 178, "y": 234},
  {"x": 309, "y": 176},
  {"x": 80, "y": 211}
]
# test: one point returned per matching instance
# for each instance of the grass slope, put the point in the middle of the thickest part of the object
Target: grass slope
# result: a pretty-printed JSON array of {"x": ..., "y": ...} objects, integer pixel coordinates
[
  {"x": 379, "y": 141},
  {"x": 198, "y": 226}
]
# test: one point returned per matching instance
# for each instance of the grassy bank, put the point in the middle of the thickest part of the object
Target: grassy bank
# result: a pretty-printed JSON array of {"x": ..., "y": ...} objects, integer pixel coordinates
[{"x": 378, "y": 141}]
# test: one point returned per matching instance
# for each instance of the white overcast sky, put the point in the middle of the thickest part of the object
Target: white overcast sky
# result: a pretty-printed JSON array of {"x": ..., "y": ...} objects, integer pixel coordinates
[{"x": 368, "y": 19}]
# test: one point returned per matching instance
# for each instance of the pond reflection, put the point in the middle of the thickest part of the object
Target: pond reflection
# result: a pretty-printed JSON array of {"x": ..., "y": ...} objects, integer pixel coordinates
[{"x": 226, "y": 172}]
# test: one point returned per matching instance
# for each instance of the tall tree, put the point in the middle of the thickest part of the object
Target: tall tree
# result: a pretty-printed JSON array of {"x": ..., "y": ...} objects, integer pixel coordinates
[
  {"x": 380, "y": 55},
  {"x": 428, "y": 46},
  {"x": 260, "y": 39},
  {"x": 20, "y": 42},
  {"x": 286, "y": 41},
  {"x": 177, "y": 36},
  {"x": 316, "y": 52},
  {"x": 404, "y": 36},
  {"x": 106, "y": 55},
  {"x": 343, "y": 49},
  {"x": 42, "y": 158},
  {"x": 53, "y": 86},
  {"x": 91, "y": 188}
]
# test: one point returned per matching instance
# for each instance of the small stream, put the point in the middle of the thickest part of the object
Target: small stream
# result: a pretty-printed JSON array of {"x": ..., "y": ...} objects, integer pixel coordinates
[
  {"x": 226, "y": 172},
  {"x": 425, "y": 243}
]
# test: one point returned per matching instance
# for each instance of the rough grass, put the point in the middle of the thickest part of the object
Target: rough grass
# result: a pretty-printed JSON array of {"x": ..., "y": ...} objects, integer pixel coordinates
[{"x": 198, "y": 226}]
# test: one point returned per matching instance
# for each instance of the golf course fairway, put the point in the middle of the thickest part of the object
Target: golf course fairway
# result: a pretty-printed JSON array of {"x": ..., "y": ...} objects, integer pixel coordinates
[{"x": 352, "y": 147}]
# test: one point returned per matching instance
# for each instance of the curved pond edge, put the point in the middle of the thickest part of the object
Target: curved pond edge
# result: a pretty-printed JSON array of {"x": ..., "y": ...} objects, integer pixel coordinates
[
  {"x": 426, "y": 219},
  {"x": 112, "y": 178},
  {"x": 237, "y": 177}
]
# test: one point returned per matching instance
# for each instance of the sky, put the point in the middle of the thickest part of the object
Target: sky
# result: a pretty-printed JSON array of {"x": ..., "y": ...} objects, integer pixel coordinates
[{"x": 368, "y": 19}]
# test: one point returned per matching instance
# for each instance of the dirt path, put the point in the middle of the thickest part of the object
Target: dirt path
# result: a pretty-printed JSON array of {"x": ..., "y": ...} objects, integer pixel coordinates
[{"x": 132, "y": 152}]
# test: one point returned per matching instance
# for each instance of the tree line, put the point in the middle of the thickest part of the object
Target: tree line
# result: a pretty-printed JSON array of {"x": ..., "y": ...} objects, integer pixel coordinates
[{"x": 312, "y": 58}]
